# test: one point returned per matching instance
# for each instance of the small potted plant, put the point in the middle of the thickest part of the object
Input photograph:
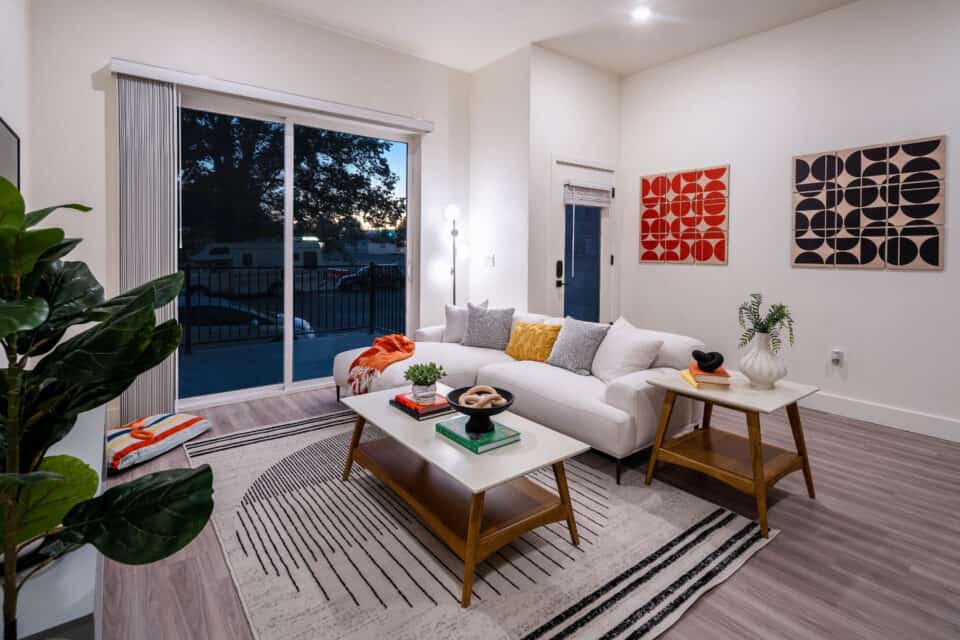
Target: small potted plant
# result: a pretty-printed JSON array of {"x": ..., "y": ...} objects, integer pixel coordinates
[
  {"x": 424, "y": 378},
  {"x": 762, "y": 365}
]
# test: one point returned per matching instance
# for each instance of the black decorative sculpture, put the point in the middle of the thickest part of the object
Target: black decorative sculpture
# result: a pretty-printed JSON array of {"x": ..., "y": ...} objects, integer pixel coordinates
[{"x": 708, "y": 361}]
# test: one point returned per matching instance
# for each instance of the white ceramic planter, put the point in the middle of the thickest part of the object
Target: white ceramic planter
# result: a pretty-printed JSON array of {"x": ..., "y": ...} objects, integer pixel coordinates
[
  {"x": 761, "y": 365},
  {"x": 424, "y": 392}
]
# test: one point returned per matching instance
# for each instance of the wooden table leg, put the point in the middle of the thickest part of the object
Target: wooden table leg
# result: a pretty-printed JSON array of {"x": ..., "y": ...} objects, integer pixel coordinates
[
  {"x": 473, "y": 538},
  {"x": 354, "y": 441},
  {"x": 794, "y": 414},
  {"x": 707, "y": 414},
  {"x": 759, "y": 481},
  {"x": 665, "y": 414},
  {"x": 560, "y": 475}
]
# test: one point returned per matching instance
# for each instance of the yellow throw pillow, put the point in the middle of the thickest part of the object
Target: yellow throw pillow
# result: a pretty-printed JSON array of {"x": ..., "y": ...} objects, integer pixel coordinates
[{"x": 530, "y": 341}]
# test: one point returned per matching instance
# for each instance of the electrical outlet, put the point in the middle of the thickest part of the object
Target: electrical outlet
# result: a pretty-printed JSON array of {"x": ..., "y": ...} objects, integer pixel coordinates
[
  {"x": 836, "y": 357},
  {"x": 492, "y": 260}
]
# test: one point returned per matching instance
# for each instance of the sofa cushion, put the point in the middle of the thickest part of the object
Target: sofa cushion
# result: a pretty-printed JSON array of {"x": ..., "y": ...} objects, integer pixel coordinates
[
  {"x": 488, "y": 328},
  {"x": 529, "y": 341},
  {"x": 460, "y": 363},
  {"x": 676, "y": 350},
  {"x": 456, "y": 326},
  {"x": 624, "y": 350},
  {"x": 564, "y": 401},
  {"x": 577, "y": 345}
]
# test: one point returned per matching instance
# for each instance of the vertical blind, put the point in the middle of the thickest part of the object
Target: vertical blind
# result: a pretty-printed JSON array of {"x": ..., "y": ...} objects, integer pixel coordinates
[{"x": 149, "y": 204}]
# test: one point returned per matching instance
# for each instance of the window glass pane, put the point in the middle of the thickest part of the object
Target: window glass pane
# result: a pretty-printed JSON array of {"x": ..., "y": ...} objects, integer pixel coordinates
[
  {"x": 350, "y": 215},
  {"x": 232, "y": 253}
]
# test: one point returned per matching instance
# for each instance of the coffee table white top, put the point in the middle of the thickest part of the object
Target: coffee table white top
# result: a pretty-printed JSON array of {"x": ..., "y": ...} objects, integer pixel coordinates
[
  {"x": 539, "y": 446},
  {"x": 740, "y": 395}
]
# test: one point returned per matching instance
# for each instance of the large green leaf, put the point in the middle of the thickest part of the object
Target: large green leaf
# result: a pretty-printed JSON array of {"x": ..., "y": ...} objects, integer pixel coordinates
[
  {"x": 43, "y": 505},
  {"x": 94, "y": 355},
  {"x": 11, "y": 205},
  {"x": 20, "y": 250},
  {"x": 147, "y": 519},
  {"x": 163, "y": 289},
  {"x": 22, "y": 316},
  {"x": 47, "y": 431},
  {"x": 35, "y": 217},
  {"x": 57, "y": 251},
  {"x": 8, "y": 480},
  {"x": 71, "y": 290}
]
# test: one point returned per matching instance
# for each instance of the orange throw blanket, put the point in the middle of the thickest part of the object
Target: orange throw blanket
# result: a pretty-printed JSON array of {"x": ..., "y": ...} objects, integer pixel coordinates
[{"x": 370, "y": 364}]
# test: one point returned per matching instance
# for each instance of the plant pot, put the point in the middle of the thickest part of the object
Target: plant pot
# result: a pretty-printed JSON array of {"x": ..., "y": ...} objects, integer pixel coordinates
[
  {"x": 761, "y": 365},
  {"x": 424, "y": 393}
]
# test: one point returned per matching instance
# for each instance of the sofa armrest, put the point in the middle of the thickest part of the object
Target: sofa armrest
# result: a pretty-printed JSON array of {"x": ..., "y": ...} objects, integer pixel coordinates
[
  {"x": 643, "y": 401},
  {"x": 429, "y": 334}
]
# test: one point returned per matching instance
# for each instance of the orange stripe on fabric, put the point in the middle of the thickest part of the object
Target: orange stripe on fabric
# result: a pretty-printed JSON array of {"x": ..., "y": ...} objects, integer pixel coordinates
[{"x": 118, "y": 456}]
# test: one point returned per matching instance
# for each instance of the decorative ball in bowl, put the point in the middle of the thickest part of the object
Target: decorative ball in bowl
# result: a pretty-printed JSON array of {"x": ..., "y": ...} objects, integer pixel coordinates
[{"x": 480, "y": 402}]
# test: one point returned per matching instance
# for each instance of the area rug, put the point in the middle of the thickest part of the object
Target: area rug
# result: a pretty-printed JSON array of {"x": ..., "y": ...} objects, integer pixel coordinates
[{"x": 314, "y": 557}]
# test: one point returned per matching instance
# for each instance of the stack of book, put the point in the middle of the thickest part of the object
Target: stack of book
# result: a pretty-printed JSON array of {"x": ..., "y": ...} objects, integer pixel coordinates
[
  {"x": 455, "y": 430},
  {"x": 699, "y": 379},
  {"x": 419, "y": 410}
]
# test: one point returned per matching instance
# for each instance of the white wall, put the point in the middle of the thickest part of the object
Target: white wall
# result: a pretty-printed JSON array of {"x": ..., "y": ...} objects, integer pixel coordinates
[
  {"x": 871, "y": 72},
  {"x": 574, "y": 114},
  {"x": 73, "y": 116},
  {"x": 499, "y": 181},
  {"x": 14, "y": 78}
]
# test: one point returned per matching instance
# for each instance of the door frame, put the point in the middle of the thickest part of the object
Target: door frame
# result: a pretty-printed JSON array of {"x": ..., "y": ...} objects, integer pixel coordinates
[
  {"x": 564, "y": 169},
  {"x": 290, "y": 117}
]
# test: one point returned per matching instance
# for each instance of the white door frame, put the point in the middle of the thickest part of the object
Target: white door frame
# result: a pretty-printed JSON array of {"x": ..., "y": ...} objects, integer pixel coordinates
[
  {"x": 290, "y": 117},
  {"x": 562, "y": 170}
]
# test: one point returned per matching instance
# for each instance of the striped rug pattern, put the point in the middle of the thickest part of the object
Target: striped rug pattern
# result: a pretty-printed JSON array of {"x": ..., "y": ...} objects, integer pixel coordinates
[{"x": 314, "y": 557}]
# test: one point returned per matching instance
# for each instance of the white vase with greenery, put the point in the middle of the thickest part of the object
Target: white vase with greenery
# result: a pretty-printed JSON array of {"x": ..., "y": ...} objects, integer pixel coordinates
[{"x": 762, "y": 364}]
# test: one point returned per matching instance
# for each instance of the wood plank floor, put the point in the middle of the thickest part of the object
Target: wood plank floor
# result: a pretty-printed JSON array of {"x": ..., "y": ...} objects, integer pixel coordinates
[{"x": 876, "y": 555}]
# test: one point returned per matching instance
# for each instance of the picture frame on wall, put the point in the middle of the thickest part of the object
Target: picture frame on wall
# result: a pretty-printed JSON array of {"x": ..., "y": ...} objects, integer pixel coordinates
[{"x": 9, "y": 153}]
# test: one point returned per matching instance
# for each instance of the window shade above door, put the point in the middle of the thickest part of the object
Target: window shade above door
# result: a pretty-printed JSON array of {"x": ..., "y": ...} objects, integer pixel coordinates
[{"x": 588, "y": 196}]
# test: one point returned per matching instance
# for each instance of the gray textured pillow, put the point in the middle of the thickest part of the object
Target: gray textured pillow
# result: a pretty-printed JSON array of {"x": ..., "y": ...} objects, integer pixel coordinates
[
  {"x": 577, "y": 345},
  {"x": 456, "y": 325},
  {"x": 488, "y": 328}
]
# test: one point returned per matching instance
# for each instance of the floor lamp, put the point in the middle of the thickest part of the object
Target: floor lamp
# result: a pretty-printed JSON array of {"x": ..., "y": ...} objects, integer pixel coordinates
[{"x": 451, "y": 213}]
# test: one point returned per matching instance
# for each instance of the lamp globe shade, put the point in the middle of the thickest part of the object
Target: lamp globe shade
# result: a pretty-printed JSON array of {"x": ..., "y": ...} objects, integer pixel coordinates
[{"x": 451, "y": 213}]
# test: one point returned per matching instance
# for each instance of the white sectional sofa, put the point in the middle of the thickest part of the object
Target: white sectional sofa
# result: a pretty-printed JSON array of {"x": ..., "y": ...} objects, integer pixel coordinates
[{"x": 618, "y": 418}]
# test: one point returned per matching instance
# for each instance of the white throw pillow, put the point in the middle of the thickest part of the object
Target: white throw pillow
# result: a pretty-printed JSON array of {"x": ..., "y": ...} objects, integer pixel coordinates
[
  {"x": 456, "y": 326},
  {"x": 530, "y": 318},
  {"x": 624, "y": 350}
]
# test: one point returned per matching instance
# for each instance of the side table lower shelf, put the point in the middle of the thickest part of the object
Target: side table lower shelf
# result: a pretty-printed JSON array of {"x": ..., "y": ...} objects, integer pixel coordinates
[{"x": 726, "y": 457}]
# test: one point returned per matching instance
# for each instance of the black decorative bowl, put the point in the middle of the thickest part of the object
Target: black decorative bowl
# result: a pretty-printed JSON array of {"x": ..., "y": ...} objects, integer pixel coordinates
[{"x": 479, "y": 421}]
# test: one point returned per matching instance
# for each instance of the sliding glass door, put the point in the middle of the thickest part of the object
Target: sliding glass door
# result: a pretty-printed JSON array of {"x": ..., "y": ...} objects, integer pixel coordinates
[
  {"x": 349, "y": 254},
  {"x": 231, "y": 253},
  {"x": 333, "y": 255}
]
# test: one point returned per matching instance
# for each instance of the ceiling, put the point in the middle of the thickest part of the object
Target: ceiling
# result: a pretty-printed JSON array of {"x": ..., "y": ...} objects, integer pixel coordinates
[{"x": 467, "y": 34}]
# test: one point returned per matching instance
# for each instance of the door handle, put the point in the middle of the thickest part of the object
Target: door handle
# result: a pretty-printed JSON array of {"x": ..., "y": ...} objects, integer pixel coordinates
[{"x": 559, "y": 273}]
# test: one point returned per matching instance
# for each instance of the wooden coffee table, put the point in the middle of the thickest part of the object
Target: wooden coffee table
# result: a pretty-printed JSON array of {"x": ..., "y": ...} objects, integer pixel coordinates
[
  {"x": 475, "y": 503},
  {"x": 744, "y": 463}
]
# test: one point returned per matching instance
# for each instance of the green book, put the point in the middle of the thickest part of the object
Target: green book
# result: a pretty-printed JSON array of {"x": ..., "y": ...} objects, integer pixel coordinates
[{"x": 456, "y": 430}]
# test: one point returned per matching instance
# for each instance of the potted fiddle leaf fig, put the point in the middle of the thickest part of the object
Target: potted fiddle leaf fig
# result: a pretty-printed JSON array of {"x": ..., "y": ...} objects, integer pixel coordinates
[{"x": 48, "y": 506}]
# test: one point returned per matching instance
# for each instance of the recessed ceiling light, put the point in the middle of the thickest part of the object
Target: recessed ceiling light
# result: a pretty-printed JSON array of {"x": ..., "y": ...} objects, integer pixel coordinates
[{"x": 641, "y": 14}]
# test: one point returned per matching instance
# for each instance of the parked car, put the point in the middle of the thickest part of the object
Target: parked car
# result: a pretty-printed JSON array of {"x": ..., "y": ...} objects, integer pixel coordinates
[
  {"x": 385, "y": 276},
  {"x": 214, "y": 319}
]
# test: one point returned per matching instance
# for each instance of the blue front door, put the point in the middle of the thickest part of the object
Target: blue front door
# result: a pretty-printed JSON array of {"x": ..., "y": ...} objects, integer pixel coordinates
[{"x": 581, "y": 296}]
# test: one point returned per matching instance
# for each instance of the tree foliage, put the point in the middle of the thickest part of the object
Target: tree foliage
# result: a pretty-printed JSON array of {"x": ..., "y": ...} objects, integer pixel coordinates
[{"x": 233, "y": 182}]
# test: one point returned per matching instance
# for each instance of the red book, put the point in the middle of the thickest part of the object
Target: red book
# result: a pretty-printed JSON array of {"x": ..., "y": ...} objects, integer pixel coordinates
[
  {"x": 439, "y": 403},
  {"x": 719, "y": 376}
]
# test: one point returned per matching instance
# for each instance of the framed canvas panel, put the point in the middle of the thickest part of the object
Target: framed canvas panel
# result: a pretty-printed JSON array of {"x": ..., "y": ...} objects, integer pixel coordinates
[{"x": 9, "y": 153}]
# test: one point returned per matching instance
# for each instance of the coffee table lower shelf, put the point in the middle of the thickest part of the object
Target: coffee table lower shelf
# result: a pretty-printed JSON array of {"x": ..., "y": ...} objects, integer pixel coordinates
[{"x": 474, "y": 526}]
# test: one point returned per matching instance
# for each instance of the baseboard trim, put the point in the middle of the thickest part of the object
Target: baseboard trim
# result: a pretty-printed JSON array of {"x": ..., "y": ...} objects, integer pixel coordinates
[{"x": 927, "y": 424}]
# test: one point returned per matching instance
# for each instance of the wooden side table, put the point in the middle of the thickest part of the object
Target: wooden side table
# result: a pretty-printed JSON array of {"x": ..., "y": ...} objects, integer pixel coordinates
[{"x": 746, "y": 464}]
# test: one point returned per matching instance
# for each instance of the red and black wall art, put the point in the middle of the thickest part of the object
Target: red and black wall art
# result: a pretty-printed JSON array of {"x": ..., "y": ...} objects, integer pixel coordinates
[
  {"x": 876, "y": 207},
  {"x": 684, "y": 216}
]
